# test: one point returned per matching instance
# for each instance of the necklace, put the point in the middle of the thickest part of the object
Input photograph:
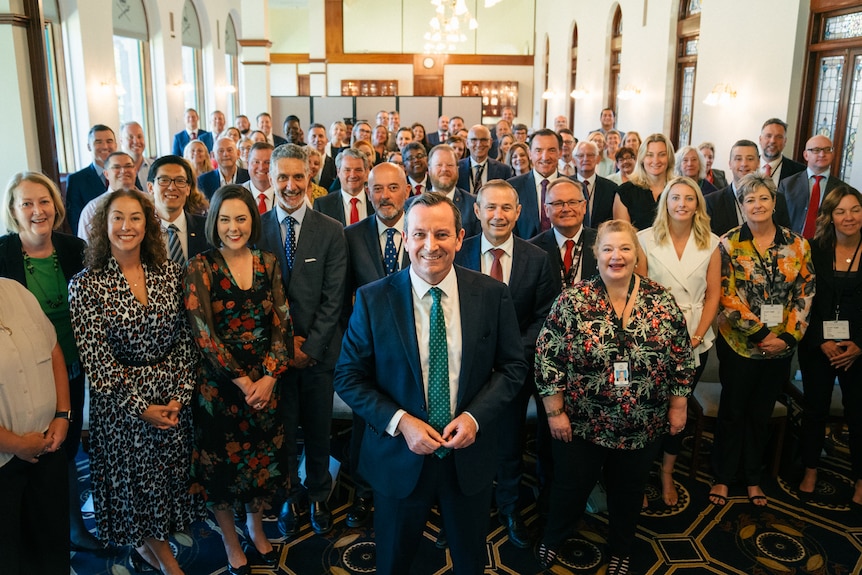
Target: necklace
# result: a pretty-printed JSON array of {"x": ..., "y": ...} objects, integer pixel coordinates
[{"x": 59, "y": 299}]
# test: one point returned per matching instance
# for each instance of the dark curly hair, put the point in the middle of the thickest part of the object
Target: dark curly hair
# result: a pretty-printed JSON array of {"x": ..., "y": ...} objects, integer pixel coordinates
[{"x": 98, "y": 252}]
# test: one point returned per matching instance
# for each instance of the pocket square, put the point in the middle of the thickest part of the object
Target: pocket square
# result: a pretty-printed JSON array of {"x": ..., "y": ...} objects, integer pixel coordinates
[{"x": 310, "y": 260}]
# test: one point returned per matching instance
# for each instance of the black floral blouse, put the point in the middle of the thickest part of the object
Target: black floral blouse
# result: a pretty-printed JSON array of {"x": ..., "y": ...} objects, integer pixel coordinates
[{"x": 579, "y": 344}]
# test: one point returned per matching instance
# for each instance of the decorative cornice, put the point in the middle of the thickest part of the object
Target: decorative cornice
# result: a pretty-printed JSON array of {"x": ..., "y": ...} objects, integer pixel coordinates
[{"x": 263, "y": 43}]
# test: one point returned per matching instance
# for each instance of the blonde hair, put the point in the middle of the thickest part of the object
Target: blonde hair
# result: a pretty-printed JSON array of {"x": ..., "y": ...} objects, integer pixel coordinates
[
  {"x": 699, "y": 224},
  {"x": 639, "y": 176},
  {"x": 612, "y": 226},
  {"x": 7, "y": 217}
]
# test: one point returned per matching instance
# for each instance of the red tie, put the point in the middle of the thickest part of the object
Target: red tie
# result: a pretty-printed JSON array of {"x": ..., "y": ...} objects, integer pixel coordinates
[
  {"x": 354, "y": 210},
  {"x": 813, "y": 208},
  {"x": 261, "y": 203},
  {"x": 418, "y": 189},
  {"x": 568, "y": 257},
  {"x": 709, "y": 177},
  {"x": 767, "y": 169},
  {"x": 496, "y": 266},
  {"x": 544, "y": 221},
  {"x": 194, "y": 135}
]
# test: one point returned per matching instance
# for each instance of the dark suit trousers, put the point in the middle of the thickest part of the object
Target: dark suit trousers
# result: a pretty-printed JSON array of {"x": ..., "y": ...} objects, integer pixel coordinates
[
  {"x": 818, "y": 382},
  {"x": 306, "y": 401},
  {"x": 578, "y": 465},
  {"x": 749, "y": 388},
  {"x": 363, "y": 489},
  {"x": 399, "y": 523},
  {"x": 34, "y": 516}
]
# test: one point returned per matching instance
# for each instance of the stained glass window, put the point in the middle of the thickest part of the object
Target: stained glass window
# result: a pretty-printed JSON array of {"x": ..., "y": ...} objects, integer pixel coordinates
[
  {"x": 852, "y": 120},
  {"x": 694, "y": 7},
  {"x": 828, "y": 92},
  {"x": 691, "y": 47},
  {"x": 844, "y": 26},
  {"x": 687, "y": 100}
]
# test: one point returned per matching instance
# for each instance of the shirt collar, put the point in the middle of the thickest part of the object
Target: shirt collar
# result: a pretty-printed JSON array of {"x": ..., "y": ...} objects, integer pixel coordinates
[
  {"x": 811, "y": 174},
  {"x": 361, "y": 196},
  {"x": 180, "y": 223},
  {"x": 539, "y": 177},
  {"x": 448, "y": 285},
  {"x": 398, "y": 226},
  {"x": 298, "y": 215},
  {"x": 506, "y": 246},
  {"x": 561, "y": 239}
]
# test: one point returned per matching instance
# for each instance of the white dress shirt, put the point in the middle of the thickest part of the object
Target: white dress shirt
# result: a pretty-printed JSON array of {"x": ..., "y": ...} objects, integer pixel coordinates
[
  {"x": 361, "y": 207},
  {"x": 539, "y": 177},
  {"x": 269, "y": 193},
  {"x": 505, "y": 259},
  {"x": 298, "y": 215},
  {"x": 182, "y": 233}
]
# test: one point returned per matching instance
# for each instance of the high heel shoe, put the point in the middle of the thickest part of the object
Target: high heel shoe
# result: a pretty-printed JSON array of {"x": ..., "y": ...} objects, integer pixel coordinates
[{"x": 141, "y": 565}]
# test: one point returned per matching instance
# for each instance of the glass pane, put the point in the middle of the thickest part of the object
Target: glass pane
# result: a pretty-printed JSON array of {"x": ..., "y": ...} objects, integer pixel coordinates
[
  {"x": 693, "y": 7},
  {"x": 826, "y": 99},
  {"x": 190, "y": 78},
  {"x": 54, "y": 87},
  {"x": 691, "y": 47},
  {"x": 128, "y": 63},
  {"x": 232, "y": 96},
  {"x": 686, "y": 102},
  {"x": 852, "y": 120},
  {"x": 846, "y": 26}
]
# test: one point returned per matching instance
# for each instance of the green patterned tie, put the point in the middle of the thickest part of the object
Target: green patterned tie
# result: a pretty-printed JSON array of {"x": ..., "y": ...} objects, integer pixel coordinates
[{"x": 438, "y": 370}]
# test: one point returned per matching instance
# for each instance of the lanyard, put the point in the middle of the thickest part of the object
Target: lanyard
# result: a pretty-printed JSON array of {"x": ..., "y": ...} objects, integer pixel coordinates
[
  {"x": 836, "y": 298},
  {"x": 568, "y": 279},
  {"x": 619, "y": 322},
  {"x": 770, "y": 274}
]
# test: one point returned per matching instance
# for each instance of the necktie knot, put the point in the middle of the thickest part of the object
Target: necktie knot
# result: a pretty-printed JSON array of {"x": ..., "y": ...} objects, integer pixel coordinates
[
  {"x": 767, "y": 169},
  {"x": 417, "y": 189},
  {"x": 818, "y": 178},
  {"x": 497, "y": 253},
  {"x": 436, "y": 294}
]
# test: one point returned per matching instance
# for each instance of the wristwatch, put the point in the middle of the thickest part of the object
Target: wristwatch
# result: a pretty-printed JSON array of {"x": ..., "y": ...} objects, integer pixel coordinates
[{"x": 67, "y": 415}]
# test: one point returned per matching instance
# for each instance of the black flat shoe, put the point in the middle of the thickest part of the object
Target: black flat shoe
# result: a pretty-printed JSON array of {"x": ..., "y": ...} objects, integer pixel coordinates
[
  {"x": 141, "y": 565},
  {"x": 359, "y": 512},
  {"x": 805, "y": 496},
  {"x": 518, "y": 535},
  {"x": 270, "y": 558},
  {"x": 289, "y": 520},
  {"x": 241, "y": 570},
  {"x": 321, "y": 518}
]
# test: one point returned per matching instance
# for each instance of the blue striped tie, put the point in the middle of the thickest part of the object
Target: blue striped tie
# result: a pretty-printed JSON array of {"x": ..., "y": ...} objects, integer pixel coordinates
[{"x": 175, "y": 248}]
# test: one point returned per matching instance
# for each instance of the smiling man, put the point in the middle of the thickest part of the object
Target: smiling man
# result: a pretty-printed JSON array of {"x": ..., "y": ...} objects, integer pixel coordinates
[
  {"x": 228, "y": 171},
  {"x": 773, "y": 138},
  {"x": 259, "y": 183},
  {"x": 545, "y": 150},
  {"x": 170, "y": 185},
  {"x": 479, "y": 168},
  {"x": 312, "y": 253},
  {"x": 350, "y": 204},
  {"x": 90, "y": 182},
  {"x": 430, "y": 362},
  {"x": 191, "y": 132}
]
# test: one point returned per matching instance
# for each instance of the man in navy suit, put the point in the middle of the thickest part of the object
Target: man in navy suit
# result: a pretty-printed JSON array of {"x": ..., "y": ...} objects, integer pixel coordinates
[
  {"x": 264, "y": 124},
  {"x": 722, "y": 205},
  {"x": 443, "y": 175},
  {"x": 376, "y": 250},
  {"x": 442, "y": 133},
  {"x": 312, "y": 253},
  {"x": 350, "y": 204},
  {"x": 599, "y": 191},
  {"x": 318, "y": 139},
  {"x": 526, "y": 269},
  {"x": 170, "y": 185},
  {"x": 90, "y": 182},
  {"x": 191, "y": 132},
  {"x": 545, "y": 152},
  {"x": 415, "y": 158},
  {"x": 479, "y": 167},
  {"x": 773, "y": 138},
  {"x": 804, "y": 192},
  {"x": 430, "y": 363},
  {"x": 228, "y": 172}
]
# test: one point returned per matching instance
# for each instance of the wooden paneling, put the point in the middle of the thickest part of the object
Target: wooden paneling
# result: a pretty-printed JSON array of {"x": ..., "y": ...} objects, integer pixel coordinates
[
  {"x": 289, "y": 58},
  {"x": 255, "y": 43},
  {"x": 428, "y": 85},
  {"x": 334, "y": 17}
]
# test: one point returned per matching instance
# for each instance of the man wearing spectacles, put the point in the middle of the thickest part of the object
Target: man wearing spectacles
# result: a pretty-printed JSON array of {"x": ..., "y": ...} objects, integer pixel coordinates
[
  {"x": 121, "y": 174},
  {"x": 415, "y": 160},
  {"x": 171, "y": 183},
  {"x": 228, "y": 172},
  {"x": 479, "y": 167},
  {"x": 804, "y": 191},
  {"x": 598, "y": 191}
]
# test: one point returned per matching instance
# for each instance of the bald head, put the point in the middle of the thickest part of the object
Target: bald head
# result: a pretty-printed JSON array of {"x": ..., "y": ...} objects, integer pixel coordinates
[{"x": 387, "y": 187}]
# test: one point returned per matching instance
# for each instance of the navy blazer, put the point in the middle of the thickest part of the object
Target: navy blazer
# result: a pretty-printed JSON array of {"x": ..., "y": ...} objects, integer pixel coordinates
[
  {"x": 332, "y": 205},
  {"x": 531, "y": 285},
  {"x": 529, "y": 225},
  {"x": 464, "y": 202},
  {"x": 433, "y": 139},
  {"x": 278, "y": 140},
  {"x": 181, "y": 139},
  {"x": 797, "y": 194},
  {"x": 69, "y": 248},
  {"x": 379, "y": 373},
  {"x": 721, "y": 207},
  {"x": 82, "y": 187},
  {"x": 315, "y": 286},
  {"x": 589, "y": 266},
  {"x": 196, "y": 242},
  {"x": 603, "y": 202},
  {"x": 208, "y": 183},
  {"x": 328, "y": 173},
  {"x": 789, "y": 168},
  {"x": 496, "y": 171}
]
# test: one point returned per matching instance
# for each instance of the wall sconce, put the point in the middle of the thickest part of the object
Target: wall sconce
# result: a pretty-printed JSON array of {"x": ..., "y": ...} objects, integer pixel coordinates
[
  {"x": 629, "y": 92},
  {"x": 578, "y": 93},
  {"x": 118, "y": 89},
  {"x": 721, "y": 95},
  {"x": 184, "y": 86},
  {"x": 548, "y": 95},
  {"x": 228, "y": 89}
]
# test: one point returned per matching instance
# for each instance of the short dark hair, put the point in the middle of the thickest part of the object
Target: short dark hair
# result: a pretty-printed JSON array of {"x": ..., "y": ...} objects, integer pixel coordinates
[
  {"x": 774, "y": 121},
  {"x": 291, "y": 118},
  {"x": 317, "y": 125},
  {"x": 431, "y": 199},
  {"x": 261, "y": 146},
  {"x": 743, "y": 144},
  {"x": 231, "y": 192},
  {"x": 413, "y": 146},
  {"x": 118, "y": 153},
  {"x": 170, "y": 159},
  {"x": 611, "y": 110},
  {"x": 519, "y": 128},
  {"x": 546, "y": 132},
  {"x": 567, "y": 131},
  {"x": 99, "y": 128}
]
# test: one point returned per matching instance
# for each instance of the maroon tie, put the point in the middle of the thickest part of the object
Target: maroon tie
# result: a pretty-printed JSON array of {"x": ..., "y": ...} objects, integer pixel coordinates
[
  {"x": 194, "y": 135},
  {"x": 354, "y": 210},
  {"x": 545, "y": 222},
  {"x": 568, "y": 258},
  {"x": 767, "y": 170},
  {"x": 496, "y": 266},
  {"x": 813, "y": 208},
  {"x": 417, "y": 189}
]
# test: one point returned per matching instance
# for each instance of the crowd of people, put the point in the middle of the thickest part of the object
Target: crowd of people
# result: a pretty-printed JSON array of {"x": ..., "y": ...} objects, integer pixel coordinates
[{"x": 216, "y": 298}]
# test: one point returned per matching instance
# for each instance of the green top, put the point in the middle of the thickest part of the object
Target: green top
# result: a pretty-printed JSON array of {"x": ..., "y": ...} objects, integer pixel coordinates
[{"x": 47, "y": 283}]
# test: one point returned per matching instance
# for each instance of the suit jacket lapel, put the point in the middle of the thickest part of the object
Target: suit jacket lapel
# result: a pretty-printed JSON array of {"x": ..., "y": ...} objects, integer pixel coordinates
[
  {"x": 272, "y": 229},
  {"x": 372, "y": 243},
  {"x": 471, "y": 306},
  {"x": 401, "y": 301},
  {"x": 517, "y": 273},
  {"x": 305, "y": 240}
]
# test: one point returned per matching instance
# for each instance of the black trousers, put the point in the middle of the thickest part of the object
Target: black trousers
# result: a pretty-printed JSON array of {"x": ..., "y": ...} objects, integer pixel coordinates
[
  {"x": 578, "y": 465},
  {"x": 76, "y": 395},
  {"x": 306, "y": 400},
  {"x": 361, "y": 485},
  {"x": 818, "y": 382},
  {"x": 671, "y": 444},
  {"x": 399, "y": 523},
  {"x": 34, "y": 516},
  {"x": 749, "y": 388}
]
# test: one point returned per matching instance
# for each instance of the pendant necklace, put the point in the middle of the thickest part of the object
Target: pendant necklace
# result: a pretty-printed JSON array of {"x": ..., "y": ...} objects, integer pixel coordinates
[{"x": 56, "y": 301}]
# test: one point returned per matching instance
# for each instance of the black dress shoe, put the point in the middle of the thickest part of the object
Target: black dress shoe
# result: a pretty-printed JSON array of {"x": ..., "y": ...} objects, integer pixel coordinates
[
  {"x": 321, "y": 518},
  {"x": 359, "y": 512},
  {"x": 241, "y": 570},
  {"x": 269, "y": 559},
  {"x": 289, "y": 521},
  {"x": 518, "y": 535}
]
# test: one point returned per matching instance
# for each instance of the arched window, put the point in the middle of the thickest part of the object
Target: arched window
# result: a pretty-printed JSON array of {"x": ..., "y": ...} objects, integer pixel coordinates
[
  {"x": 616, "y": 58},
  {"x": 231, "y": 64},
  {"x": 573, "y": 72},
  {"x": 192, "y": 59},
  {"x": 55, "y": 68},
  {"x": 132, "y": 64},
  {"x": 688, "y": 34},
  {"x": 833, "y": 103}
]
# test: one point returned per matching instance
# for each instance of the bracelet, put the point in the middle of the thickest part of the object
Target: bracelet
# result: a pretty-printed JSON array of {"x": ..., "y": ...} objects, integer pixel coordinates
[
  {"x": 555, "y": 412},
  {"x": 698, "y": 338}
]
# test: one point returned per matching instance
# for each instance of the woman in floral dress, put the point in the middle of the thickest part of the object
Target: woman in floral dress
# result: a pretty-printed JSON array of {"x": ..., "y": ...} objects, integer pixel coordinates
[{"x": 239, "y": 317}]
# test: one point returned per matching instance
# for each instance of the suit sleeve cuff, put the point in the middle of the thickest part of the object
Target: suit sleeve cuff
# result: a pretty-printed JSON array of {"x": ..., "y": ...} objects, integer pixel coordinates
[
  {"x": 392, "y": 428},
  {"x": 474, "y": 420}
]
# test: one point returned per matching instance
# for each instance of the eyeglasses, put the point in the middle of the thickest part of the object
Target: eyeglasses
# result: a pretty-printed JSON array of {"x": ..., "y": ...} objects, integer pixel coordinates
[
  {"x": 415, "y": 157},
  {"x": 559, "y": 204},
  {"x": 179, "y": 182},
  {"x": 826, "y": 150},
  {"x": 582, "y": 156}
]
